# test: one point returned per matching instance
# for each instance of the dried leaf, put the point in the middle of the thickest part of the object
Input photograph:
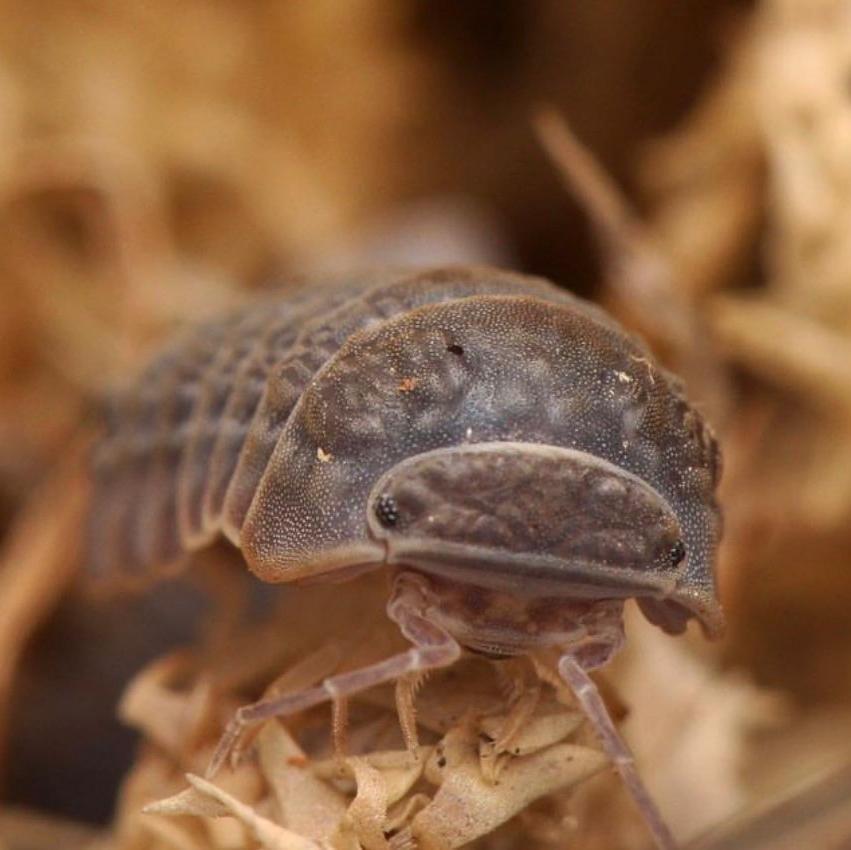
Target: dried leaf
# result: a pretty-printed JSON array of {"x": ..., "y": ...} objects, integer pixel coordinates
[
  {"x": 37, "y": 562},
  {"x": 368, "y": 811},
  {"x": 538, "y": 733},
  {"x": 307, "y": 805},
  {"x": 171, "y": 719},
  {"x": 270, "y": 835},
  {"x": 190, "y": 801},
  {"x": 466, "y": 806}
]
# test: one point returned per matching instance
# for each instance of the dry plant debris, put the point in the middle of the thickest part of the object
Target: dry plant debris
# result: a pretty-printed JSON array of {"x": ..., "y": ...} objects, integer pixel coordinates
[
  {"x": 505, "y": 760},
  {"x": 37, "y": 563},
  {"x": 478, "y": 771},
  {"x": 751, "y": 199}
]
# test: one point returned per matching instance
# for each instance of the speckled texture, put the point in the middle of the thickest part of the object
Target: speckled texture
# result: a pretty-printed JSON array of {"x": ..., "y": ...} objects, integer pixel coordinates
[
  {"x": 527, "y": 513},
  {"x": 275, "y": 425}
]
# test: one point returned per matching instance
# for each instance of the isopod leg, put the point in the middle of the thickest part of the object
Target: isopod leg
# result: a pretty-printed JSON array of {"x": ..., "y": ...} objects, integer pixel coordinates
[
  {"x": 588, "y": 697},
  {"x": 433, "y": 648},
  {"x": 406, "y": 691},
  {"x": 340, "y": 727}
]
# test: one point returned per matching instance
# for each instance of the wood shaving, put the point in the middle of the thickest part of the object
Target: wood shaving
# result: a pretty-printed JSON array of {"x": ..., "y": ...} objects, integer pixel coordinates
[{"x": 439, "y": 796}]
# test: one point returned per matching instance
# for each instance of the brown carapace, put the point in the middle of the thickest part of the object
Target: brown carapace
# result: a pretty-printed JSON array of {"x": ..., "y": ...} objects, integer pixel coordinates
[{"x": 477, "y": 433}]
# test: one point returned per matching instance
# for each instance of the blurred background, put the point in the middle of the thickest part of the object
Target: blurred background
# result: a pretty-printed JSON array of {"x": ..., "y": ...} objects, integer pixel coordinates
[{"x": 158, "y": 159}]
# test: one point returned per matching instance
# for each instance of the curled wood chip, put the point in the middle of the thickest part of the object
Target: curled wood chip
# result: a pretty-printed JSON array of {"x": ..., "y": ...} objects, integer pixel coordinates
[
  {"x": 466, "y": 806},
  {"x": 522, "y": 709},
  {"x": 214, "y": 825},
  {"x": 170, "y": 718},
  {"x": 403, "y": 814},
  {"x": 190, "y": 801},
  {"x": 519, "y": 733},
  {"x": 399, "y": 769},
  {"x": 538, "y": 733},
  {"x": 305, "y": 803},
  {"x": 368, "y": 811},
  {"x": 382, "y": 779},
  {"x": 498, "y": 748},
  {"x": 269, "y": 834}
]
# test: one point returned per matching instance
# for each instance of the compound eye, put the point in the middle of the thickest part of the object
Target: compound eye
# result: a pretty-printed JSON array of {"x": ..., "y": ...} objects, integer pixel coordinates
[
  {"x": 678, "y": 552},
  {"x": 386, "y": 510}
]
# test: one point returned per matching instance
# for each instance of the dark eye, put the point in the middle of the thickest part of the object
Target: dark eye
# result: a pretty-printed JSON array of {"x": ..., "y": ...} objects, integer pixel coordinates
[
  {"x": 454, "y": 348},
  {"x": 678, "y": 552},
  {"x": 386, "y": 510}
]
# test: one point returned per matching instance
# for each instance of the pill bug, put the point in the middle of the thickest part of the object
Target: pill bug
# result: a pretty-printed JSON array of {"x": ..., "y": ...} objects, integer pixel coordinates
[{"x": 462, "y": 426}]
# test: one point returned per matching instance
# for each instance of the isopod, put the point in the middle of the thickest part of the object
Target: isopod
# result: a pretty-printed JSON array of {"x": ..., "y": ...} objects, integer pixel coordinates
[{"x": 479, "y": 434}]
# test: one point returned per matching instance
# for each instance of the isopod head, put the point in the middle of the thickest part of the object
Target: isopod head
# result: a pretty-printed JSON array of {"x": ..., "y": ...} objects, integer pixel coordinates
[
  {"x": 531, "y": 518},
  {"x": 536, "y": 521}
]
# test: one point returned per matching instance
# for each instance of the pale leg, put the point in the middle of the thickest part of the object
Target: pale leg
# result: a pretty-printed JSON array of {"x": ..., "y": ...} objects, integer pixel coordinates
[
  {"x": 433, "y": 648},
  {"x": 406, "y": 691},
  {"x": 340, "y": 727},
  {"x": 589, "y": 698}
]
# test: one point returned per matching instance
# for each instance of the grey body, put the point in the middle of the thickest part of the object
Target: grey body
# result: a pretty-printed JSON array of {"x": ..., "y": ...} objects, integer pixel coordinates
[{"x": 292, "y": 425}]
